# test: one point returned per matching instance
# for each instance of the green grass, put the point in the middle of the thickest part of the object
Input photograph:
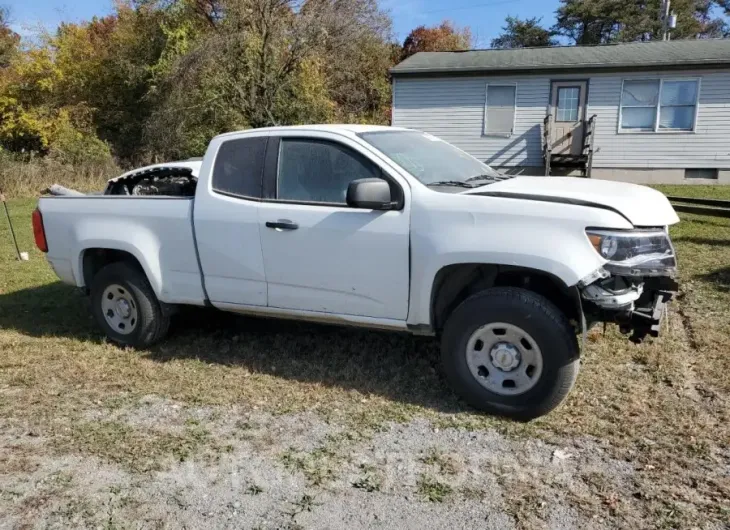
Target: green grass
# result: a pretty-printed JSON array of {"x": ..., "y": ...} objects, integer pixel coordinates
[
  {"x": 662, "y": 406},
  {"x": 695, "y": 191},
  {"x": 432, "y": 489}
]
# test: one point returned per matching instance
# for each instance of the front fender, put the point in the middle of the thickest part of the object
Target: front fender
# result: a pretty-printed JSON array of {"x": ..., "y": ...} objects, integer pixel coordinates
[{"x": 495, "y": 231}]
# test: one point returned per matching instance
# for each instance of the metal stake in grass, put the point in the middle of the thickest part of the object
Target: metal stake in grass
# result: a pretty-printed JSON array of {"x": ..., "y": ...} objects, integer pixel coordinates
[{"x": 10, "y": 224}]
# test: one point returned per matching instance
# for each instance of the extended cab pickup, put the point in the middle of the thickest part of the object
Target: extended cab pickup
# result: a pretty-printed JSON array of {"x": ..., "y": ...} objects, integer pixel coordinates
[{"x": 378, "y": 227}]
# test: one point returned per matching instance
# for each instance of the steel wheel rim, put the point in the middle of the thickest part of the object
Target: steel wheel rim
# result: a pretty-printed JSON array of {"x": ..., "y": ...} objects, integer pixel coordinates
[
  {"x": 504, "y": 359},
  {"x": 119, "y": 309}
]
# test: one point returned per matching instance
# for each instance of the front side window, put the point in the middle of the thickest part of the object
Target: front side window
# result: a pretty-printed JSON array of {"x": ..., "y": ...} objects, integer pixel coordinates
[
  {"x": 239, "y": 166},
  {"x": 319, "y": 171},
  {"x": 659, "y": 105},
  {"x": 500, "y": 112}
]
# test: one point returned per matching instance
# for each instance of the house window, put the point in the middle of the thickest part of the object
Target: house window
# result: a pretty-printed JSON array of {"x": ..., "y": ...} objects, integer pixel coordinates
[
  {"x": 568, "y": 103},
  {"x": 701, "y": 173},
  {"x": 678, "y": 105},
  {"x": 500, "y": 110},
  {"x": 659, "y": 105}
]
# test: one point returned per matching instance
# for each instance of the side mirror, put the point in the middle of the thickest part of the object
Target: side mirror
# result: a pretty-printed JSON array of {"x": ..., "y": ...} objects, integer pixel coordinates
[{"x": 372, "y": 194}]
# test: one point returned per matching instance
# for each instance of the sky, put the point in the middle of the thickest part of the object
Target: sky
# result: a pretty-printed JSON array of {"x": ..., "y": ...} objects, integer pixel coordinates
[{"x": 484, "y": 17}]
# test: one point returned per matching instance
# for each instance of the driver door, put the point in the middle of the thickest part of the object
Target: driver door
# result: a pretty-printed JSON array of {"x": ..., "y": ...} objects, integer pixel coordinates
[{"x": 321, "y": 255}]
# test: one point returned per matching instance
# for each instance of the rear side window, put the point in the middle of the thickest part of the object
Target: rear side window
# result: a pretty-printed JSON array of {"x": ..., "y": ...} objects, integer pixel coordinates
[{"x": 239, "y": 167}]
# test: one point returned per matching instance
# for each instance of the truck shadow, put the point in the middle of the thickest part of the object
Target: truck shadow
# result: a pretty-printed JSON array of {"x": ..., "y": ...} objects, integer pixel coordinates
[
  {"x": 48, "y": 310},
  {"x": 719, "y": 279},
  {"x": 397, "y": 366}
]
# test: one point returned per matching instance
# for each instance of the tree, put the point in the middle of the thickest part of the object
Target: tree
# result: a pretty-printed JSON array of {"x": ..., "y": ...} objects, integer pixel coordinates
[
  {"x": 274, "y": 62},
  {"x": 445, "y": 37},
  {"x": 159, "y": 78},
  {"x": 526, "y": 33},
  {"x": 606, "y": 21},
  {"x": 9, "y": 40}
]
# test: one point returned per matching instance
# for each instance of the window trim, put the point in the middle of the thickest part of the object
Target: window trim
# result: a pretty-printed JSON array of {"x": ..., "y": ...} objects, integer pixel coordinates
[
  {"x": 657, "y": 118},
  {"x": 271, "y": 174},
  {"x": 485, "y": 131}
]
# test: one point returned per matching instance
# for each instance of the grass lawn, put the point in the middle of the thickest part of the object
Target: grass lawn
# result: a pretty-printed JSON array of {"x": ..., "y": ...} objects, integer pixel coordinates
[
  {"x": 699, "y": 192},
  {"x": 662, "y": 408}
]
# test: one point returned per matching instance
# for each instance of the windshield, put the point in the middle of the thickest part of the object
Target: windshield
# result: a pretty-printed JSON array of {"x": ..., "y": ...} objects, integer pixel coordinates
[{"x": 431, "y": 160}]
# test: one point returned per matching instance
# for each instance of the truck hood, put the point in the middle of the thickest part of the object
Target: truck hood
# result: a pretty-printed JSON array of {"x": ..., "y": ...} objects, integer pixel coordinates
[{"x": 641, "y": 205}]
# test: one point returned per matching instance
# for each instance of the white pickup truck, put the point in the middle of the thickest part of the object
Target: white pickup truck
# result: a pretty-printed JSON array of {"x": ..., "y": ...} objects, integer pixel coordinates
[{"x": 379, "y": 227}]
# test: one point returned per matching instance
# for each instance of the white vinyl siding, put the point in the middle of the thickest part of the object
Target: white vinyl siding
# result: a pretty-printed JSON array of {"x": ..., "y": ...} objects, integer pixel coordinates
[
  {"x": 659, "y": 105},
  {"x": 500, "y": 110},
  {"x": 454, "y": 109}
]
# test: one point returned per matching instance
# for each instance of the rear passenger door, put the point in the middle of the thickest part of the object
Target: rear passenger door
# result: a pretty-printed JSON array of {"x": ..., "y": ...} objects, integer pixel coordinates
[
  {"x": 320, "y": 254},
  {"x": 226, "y": 221}
]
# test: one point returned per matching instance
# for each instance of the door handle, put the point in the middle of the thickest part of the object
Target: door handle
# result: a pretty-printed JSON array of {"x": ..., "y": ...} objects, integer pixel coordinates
[{"x": 282, "y": 224}]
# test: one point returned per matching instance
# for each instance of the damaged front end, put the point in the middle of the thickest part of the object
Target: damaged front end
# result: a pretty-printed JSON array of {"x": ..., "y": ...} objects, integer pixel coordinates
[{"x": 633, "y": 288}]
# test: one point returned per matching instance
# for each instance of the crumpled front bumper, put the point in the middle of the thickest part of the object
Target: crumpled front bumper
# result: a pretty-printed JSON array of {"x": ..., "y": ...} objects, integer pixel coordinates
[{"x": 637, "y": 305}]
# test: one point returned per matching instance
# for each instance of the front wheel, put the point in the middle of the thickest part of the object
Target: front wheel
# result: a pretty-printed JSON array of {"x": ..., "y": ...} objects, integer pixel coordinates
[
  {"x": 126, "y": 308},
  {"x": 510, "y": 352}
]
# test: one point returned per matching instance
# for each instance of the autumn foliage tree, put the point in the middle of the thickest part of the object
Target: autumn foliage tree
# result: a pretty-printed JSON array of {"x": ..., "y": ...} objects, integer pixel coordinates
[
  {"x": 269, "y": 62},
  {"x": 158, "y": 78},
  {"x": 9, "y": 40},
  {"x": 444, "y": 37}
]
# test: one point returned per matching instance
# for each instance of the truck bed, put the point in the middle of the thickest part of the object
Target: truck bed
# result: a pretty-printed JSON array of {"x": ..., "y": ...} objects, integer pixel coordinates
[{"x": 145, "y": 226}]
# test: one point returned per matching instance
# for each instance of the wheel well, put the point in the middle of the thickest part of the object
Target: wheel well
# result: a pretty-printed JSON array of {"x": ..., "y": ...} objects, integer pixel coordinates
[
  {"x": 95, "y": 259},
  {"x": 456, "y": 283}
]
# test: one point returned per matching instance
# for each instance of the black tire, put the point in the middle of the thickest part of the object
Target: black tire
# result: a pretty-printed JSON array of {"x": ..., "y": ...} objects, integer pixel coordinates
[
  {"x": 537, "y": 316},
  {"x": 151, "y": 324}
]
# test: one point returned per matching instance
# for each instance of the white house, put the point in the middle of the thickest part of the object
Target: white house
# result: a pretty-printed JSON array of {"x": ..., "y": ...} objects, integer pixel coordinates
[{"x": 654, "y": 112}]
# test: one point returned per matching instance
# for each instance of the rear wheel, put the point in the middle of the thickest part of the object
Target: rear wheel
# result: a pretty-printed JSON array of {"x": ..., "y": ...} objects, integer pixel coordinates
[
  {"x": 510, "y": 352},
  {"x": 125, "y": 306}
]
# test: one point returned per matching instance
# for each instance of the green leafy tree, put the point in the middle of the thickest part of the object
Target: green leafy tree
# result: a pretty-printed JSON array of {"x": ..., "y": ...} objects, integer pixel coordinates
[
  {"x": 606, "y": 21},
  {"x": 528, "y": 33}
]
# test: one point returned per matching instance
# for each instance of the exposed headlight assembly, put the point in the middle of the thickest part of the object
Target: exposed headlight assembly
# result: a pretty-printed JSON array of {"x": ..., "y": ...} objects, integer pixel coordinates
[{"x": 635, "y": 252}]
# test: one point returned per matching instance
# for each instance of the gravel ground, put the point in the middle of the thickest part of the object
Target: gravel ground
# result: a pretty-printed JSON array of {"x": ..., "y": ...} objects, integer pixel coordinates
[{"x": 298, "y": 471}]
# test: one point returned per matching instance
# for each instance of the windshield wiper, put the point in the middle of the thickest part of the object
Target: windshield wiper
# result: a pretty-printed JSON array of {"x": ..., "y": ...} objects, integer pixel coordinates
[
  {"x": 456, "y": 183},
  {"x": 493, "y": 178}
]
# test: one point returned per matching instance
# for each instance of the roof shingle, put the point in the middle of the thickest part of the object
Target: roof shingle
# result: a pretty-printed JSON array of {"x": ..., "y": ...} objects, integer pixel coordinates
[{"x": 689, "y": 53}]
